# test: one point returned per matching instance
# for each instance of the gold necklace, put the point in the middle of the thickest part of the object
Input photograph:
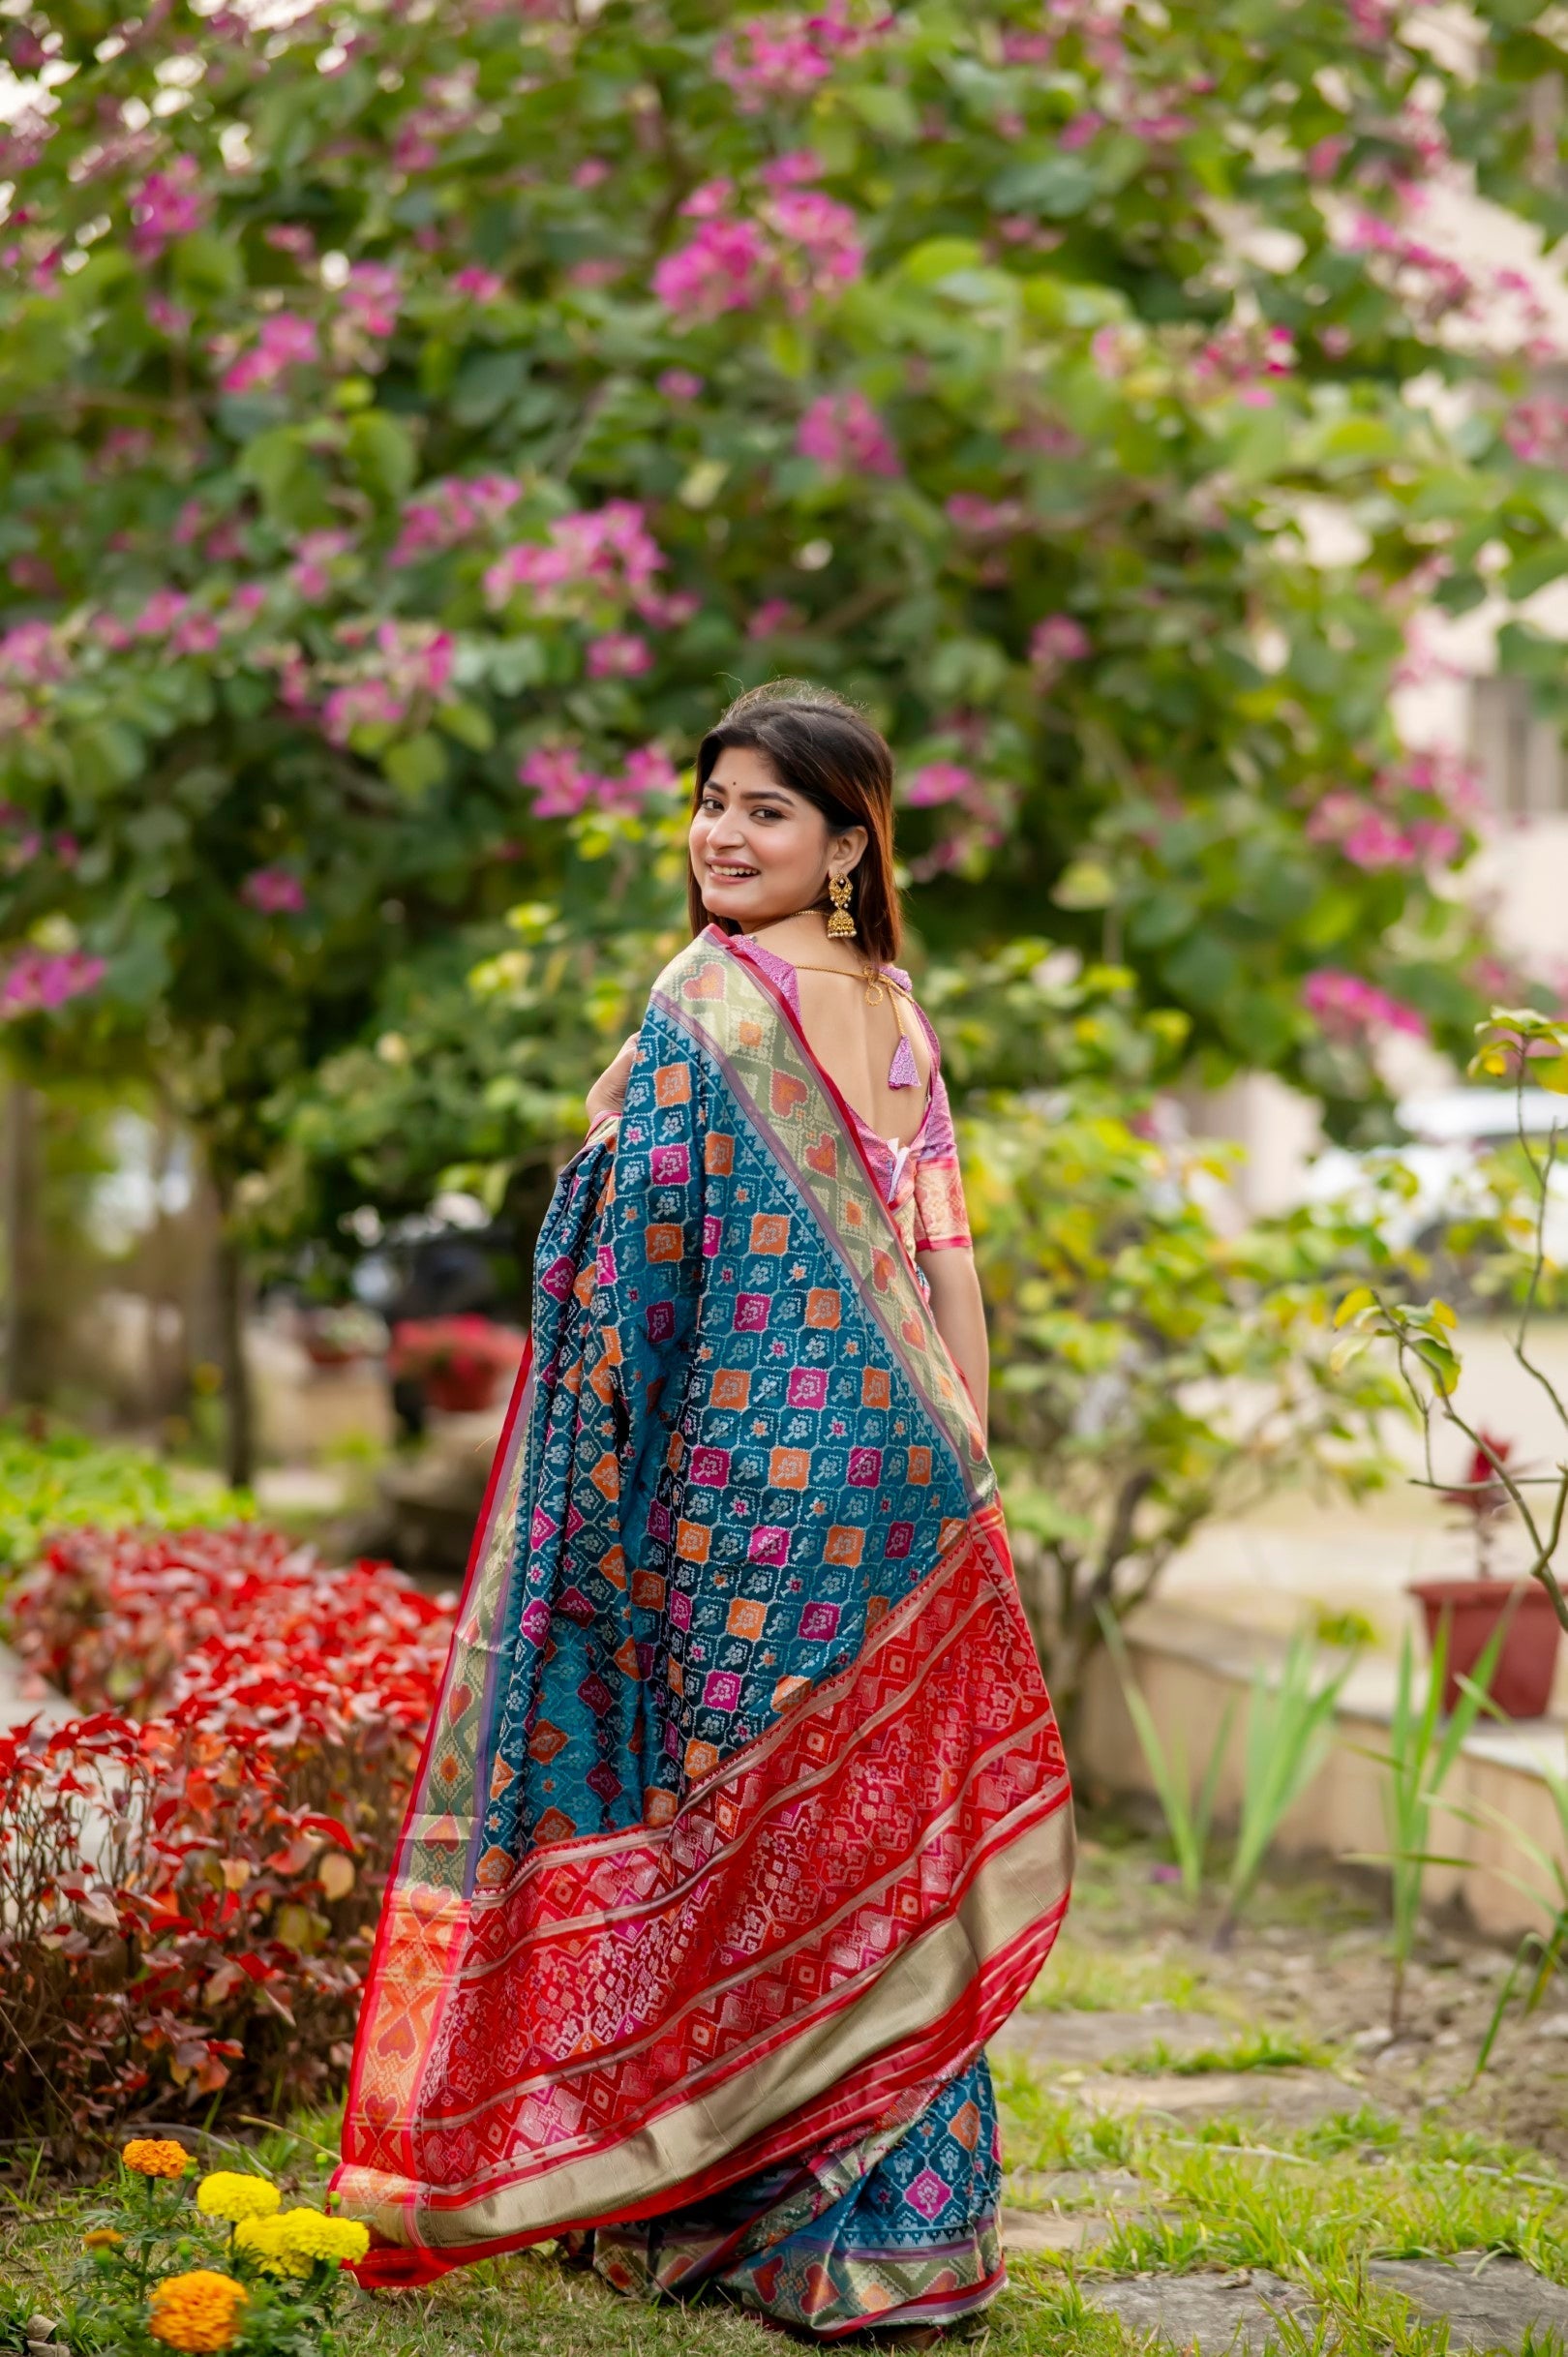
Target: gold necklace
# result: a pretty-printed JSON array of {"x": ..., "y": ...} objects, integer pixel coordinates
[{"x": 876, "y": 983}]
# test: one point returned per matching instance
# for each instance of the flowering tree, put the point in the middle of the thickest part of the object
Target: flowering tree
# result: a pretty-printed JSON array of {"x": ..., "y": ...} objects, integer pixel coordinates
[{"x": 419, "y": 418}]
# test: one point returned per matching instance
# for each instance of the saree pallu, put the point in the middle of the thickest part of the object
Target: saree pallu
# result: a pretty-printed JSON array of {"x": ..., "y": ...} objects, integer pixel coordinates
[{"x": 743, "y": 1821}]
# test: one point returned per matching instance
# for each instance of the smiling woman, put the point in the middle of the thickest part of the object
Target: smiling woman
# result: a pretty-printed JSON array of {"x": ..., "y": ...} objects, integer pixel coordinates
[{"x": 744, "y": 1820}]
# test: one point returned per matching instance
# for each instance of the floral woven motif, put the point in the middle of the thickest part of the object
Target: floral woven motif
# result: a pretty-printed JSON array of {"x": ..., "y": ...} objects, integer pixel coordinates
[{"x": 743, "y": 1819}]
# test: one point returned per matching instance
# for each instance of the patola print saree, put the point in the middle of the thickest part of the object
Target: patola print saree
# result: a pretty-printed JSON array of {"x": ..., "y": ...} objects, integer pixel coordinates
[{"x": 744, "y": 1820}]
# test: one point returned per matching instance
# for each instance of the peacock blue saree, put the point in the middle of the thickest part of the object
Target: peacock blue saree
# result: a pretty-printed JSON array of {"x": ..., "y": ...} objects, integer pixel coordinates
[{"x": 744, "y": 1820}]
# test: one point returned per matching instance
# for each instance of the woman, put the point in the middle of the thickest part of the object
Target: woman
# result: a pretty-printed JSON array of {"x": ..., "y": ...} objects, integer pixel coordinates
[{"x": 743, "y": 1820}]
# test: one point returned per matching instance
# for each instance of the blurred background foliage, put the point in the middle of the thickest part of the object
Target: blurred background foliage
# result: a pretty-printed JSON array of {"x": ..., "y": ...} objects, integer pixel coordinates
[{"x": 422, "y": 420}]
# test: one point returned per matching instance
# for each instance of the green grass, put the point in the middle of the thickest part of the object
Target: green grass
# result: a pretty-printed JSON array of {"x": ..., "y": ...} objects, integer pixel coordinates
[
  {"x": 1081, "y": 1978},
  {"x": 1254, "y": 2050},
  {"x": 1312, "y": 2205}
]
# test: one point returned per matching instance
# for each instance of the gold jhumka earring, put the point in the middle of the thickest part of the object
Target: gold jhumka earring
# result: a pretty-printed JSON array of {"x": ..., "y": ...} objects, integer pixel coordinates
[{"x": 840, "y": 924}]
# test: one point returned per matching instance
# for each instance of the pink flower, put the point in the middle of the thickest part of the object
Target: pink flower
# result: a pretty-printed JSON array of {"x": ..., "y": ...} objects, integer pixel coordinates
[
  {"x": 1055, "y": 641},
  {"x": 453, "y": 510},
  {"x": 168, "y": 204},
  {"x": 680, "y": 384},
  {"x": 285, "y": 341},
  {"x": 291, "y": 237},
  {"x": 598, "y": 270},
  {"x": 590, "y": 172},
  {"x": 370, "y": 296},
  {"x": 171, "y": 320},
  {"x": 826, "y": 233},
  {"x": 767, "y": 58},
  {"x": 482, "y": 285},
  {"x": 773, "y": 615},
  {"x": 38, "y": 980},
  {"x": 1347, "y": 1007},
  {"x": 649, "y": 770},
  {"x": 799, "y": 167},
  {"x": 561, "y": 786},
  {"x": 275, "y": 892},
  {"x": 313, "y": 554},
  {"x": 196, "y": 634},
  {"x": 619, "y": 654},
  {"x": 984, "y": 518},
  {"x": 361, "y": 703},
  {"x": 724, "y": 267},
  {"x": 939, "y": 781},
  {"x": 708, "y": 201},
  {"x": 607, "y": 549},
  {"x": 843, "y": 433},
  {"x": 667, "y": 609},
  {"x": 30, "y": 655}
]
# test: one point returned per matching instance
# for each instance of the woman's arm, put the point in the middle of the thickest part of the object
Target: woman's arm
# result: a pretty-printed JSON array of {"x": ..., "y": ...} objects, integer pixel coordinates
[
  {"x": 609, "y": 1092},
  {"x": 960, "y": 1318}
]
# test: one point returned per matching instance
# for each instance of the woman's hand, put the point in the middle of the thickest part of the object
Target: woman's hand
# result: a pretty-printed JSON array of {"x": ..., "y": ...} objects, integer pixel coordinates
[{"x": 608, "y": 1094}]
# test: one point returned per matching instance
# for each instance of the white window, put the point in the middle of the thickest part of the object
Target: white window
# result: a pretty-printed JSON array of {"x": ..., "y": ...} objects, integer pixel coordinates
[{"x": 1520, "y": 755}]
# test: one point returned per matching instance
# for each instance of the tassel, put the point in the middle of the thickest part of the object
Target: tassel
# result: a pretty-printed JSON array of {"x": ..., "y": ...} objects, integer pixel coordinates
[{"x": 902, "y": 1072}]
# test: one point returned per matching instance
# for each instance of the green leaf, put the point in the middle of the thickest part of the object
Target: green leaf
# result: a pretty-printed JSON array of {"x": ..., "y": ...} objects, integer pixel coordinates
[
  {"x": 382, "y": 454},
  {"x": 469, "y": 723},
  {"x": 415, "y": 764},
  {"x": 294, "y": 494},
  {"x": 1056, "y": 186}
]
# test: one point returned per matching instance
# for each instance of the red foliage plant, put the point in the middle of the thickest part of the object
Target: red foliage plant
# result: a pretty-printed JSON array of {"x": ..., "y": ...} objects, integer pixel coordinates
[{"x": 189, "y": 1873}]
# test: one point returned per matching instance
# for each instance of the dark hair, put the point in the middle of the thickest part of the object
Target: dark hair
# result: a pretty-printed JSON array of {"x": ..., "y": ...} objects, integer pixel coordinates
[{"x": 823, "y": 749}]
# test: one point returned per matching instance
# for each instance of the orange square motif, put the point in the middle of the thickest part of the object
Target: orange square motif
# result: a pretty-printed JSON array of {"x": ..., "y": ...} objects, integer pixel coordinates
[
  {"x": 823, "y": 1305},
  {"x": 613, "y": 1564},
  {"x": 676, "y": 1678},
  {"x": 718, "y": 1154},
  {"x": 876, "y": 1610},
  {"x": 732, "y": 1387},
  {"x": 663, "y": 1241},
  {"x": 624, "y": 1658},
  {"x": 846, "y": 1543},
  {"x": 750, "y": 1032},
  {"x": 771, "y": 1232},
  {"x": 606, "y": 1475},
  {"x": 657, "y": 1807},
  {"x": 788, "y": 1469},
  {"x": 876, "y": 1387},
  {"x": 692, "y": 1541},
  {"x": 647, "y": 1591},
  {"x": 787, "y": 1689},
  {"x": 919, "y": 1466},
  {"x": 675, "y": 1452},
  {"x": 700, "y": 1758},
  {"x": 671, "y": 1084},
  {"x": 746, "y": 1619}
]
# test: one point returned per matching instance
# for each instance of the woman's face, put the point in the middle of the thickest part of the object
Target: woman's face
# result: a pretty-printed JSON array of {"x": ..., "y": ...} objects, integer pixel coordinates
[{"x": 758, "y": 850}]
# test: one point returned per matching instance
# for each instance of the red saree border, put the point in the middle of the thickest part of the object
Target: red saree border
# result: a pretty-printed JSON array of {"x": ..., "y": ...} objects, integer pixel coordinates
[{"x": 501, "y": 1467}]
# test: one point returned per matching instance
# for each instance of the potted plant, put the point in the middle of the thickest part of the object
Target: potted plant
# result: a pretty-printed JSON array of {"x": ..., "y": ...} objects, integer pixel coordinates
[
  {"x": 461, "y": 1362},
  {"x": 341, "y": 1335},
  {"x": 1497, "y": 1494}
]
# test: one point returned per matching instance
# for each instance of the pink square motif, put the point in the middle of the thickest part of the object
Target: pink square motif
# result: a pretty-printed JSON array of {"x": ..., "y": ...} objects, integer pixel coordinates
[
  {"x": 710, "y": 1468},
  {"x": 809, "y": 1387},
  {"x": 751, "y": 1312},
  {"x": 721, "y": 1689},
  {"x": 865, "y": 1468},
  {"x": 769, "y": 1545},
  {"x": 712, "y": 1237},
  {"x": 819, "y": 1620}
]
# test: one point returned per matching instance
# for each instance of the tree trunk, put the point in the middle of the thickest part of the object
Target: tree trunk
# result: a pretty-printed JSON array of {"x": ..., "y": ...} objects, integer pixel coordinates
[
  {"x": 22, "y": 1376},
  {"x": 239, "y": 1408}
]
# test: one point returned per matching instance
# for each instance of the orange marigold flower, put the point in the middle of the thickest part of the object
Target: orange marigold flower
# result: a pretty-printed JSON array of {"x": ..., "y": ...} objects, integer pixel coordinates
[
  {"x": 103, "y": 2238},
  {"x": 199, "y": 2310},
  {"x": 156, "y": 2157}
]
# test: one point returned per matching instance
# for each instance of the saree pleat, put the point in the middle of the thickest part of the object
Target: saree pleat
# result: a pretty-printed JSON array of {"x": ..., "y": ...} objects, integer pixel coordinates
[{"x": 744, "y": 1820}]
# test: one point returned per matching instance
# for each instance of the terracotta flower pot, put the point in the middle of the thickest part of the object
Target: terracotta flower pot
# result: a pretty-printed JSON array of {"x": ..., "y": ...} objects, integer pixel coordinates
[
  {"x": 461, "y": 1391},
  {"x": 1522, "y": 1682}
]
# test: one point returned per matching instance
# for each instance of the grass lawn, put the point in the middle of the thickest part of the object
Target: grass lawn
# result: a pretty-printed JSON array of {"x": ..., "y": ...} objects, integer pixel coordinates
[{"x": 1402, "y": 2163}]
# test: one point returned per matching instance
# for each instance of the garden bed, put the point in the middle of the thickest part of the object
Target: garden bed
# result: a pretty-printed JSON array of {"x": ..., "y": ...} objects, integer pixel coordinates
[{"x": 1192, "y": 2141}]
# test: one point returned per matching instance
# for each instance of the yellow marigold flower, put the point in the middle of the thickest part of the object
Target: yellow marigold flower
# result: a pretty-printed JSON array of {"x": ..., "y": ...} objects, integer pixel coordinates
[
  {"x": 260, "y": 2239},
  {"x": 199, "y": 2310},
  {"x": 308, "y": 2235},
  {"x": 103, "y": 2238},
  {"x": 232, "y": 2194},
  {"x": 156, "y": 2157}
]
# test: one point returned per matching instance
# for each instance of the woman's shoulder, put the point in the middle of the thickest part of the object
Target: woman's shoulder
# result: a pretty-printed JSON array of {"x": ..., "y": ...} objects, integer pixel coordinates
[{"x": 695, "y": 957}]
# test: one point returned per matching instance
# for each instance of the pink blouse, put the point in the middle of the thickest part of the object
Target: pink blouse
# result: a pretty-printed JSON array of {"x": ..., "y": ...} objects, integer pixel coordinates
[{"x": 919, "y": 1181}]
